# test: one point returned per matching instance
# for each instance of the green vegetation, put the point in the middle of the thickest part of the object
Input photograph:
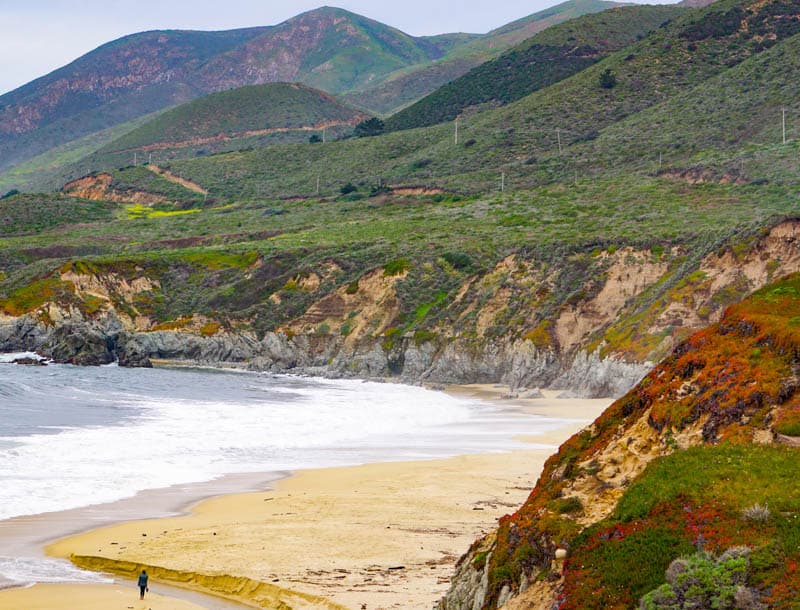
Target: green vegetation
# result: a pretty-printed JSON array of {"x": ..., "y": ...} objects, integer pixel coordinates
[
  {"x": 30, "y": 214},
  {"x": 234, "y": 113},
  {"x": 548, "y": 57},
  {"x": 408, "y": 85},
  {"x": 369, "y": 127},
  {"x": 692, "y": 499},
  {"x": 705, "y": 581}
]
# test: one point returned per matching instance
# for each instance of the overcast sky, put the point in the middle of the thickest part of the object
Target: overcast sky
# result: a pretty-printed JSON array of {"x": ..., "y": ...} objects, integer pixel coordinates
[{"x": 39, "y": 36}]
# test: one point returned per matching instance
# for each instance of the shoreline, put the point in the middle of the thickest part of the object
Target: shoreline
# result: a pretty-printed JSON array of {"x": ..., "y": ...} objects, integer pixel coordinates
[{"x": 454, "y": 500}]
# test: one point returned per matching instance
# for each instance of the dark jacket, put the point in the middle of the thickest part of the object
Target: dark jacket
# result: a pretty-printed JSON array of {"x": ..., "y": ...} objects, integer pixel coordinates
[{"x": 142, "y": 580}]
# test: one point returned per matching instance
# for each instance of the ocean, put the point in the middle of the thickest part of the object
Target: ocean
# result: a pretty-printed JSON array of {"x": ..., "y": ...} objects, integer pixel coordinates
[{"x": 72, "y": 437}]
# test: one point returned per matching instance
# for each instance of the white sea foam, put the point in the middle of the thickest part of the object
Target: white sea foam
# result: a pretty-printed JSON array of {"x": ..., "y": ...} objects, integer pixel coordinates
[
  {"x": 183, "y": 440},
  {"x": 72, "y": 437},
  {"x": 29, "y": 570},
  {"x": 9, "y": 357}
]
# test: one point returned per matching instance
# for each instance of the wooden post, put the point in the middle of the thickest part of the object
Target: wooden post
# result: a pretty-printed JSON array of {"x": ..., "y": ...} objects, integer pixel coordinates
[{"x": 783, "y": 123}]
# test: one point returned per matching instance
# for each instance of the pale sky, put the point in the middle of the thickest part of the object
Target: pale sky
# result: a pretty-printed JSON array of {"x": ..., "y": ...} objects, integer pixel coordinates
[{"x": 39, "y": 36}]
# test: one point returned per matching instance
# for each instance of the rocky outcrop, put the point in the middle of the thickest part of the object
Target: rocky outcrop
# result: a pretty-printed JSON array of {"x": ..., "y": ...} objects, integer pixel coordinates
[{"x": 519, "y": 364}]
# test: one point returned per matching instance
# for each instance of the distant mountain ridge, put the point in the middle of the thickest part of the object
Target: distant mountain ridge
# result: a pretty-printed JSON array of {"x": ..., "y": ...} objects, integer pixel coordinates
[
  {"x": 330, "y": 48},
  {"x": 402, "y": 88},
  {"x": 327, "y": 48}
]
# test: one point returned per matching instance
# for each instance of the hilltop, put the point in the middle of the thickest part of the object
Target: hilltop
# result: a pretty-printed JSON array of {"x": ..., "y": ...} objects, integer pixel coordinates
[
  {"x": 697, "y": 461},
  {"x": 238, "y": 118}
]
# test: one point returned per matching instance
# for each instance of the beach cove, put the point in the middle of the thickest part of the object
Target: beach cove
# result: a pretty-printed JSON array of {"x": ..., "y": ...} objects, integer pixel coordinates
[{"x": 384, "y": 535}]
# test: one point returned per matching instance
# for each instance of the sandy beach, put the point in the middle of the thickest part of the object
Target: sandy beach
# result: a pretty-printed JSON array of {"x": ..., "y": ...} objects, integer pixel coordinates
[{"x": 378, "y": 536}]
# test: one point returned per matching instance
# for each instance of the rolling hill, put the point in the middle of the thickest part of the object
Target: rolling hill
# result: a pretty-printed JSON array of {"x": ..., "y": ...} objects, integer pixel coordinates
[
  {"x": 238, "y": 118},
  {"x": 328, "y": 48}
]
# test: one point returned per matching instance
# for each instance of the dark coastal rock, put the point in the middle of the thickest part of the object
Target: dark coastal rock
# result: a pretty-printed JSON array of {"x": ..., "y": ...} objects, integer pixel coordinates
[
  {"x": 79, "y": 344},
  {"x": 518, "y": 364},
  {"x": 27, "y": 361},
  {"x": 23, "y": 334},
  {"x": 130, "y": 353}
]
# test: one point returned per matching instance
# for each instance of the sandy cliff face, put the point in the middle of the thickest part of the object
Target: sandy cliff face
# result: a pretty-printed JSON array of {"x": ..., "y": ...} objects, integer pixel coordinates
[
  {"x": 98, "y": 188},
  {"x": 590, "y": 324}
]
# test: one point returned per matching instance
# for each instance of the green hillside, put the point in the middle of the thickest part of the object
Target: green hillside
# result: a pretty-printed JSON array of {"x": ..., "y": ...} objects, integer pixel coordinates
[
  {"x": 548, "y": 57},
  {"x": 291, "y": 109},
  {"x": 124, "y": 79},
  {"x": 408, "y": 85},
  {"x": 731, "y": 125},
  {"x": 521, "y": 139}
]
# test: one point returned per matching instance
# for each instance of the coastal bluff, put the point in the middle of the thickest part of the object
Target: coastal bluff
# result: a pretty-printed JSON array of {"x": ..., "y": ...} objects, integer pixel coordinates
[
  {"x": 694, "y": 465},
  {"x": 511, "y": 325}
]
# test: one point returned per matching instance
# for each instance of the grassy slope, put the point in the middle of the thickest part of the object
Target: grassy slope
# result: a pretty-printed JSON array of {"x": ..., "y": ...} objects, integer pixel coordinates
[
  {"x": 727, "y": 123},
  {"x": 740, "y": 380},
  {"x": 46, "y": 172},
  {"x": 408, "y": 85},
  {"x": 552, "y": 55},
  {"x": 232, "y": 113}
]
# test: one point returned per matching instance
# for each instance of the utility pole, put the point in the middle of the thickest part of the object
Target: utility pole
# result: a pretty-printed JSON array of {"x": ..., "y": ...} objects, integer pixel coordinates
[
  {"x": 456, "y": 138},
  {"x": 503, "y": 182},
  {"x": 150, "y": 159},
  {"x": 558, "y": 134},
  {"x": 659, "y": 162},
  {"x": 317, "y": 186},
  {"x": 134, "y": 157},
  {"x": 783, "y": 123}
]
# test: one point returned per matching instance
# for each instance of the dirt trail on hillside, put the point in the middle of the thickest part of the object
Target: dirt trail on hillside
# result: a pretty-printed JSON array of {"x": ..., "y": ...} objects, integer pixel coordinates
[
  {"x": 222, "y": 137},
  {"x": 187, "y": 184}
]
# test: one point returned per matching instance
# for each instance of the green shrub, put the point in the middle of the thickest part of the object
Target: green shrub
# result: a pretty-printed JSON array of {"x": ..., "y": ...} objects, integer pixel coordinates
[
  {"x": 368, "y": 128},
  {"x": 396, "y": 267},
  {"x": 608, "y": 80},
  {"x": 703, "y": 581},
  {"x": 572, "y": 504},
  {"x": 348, "y": 188},
  {"x": 458, "y": 260}
]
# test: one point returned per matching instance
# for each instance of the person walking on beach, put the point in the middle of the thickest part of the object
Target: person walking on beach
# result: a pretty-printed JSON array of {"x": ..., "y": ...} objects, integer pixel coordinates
[{"x": 143, "y": 584}]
